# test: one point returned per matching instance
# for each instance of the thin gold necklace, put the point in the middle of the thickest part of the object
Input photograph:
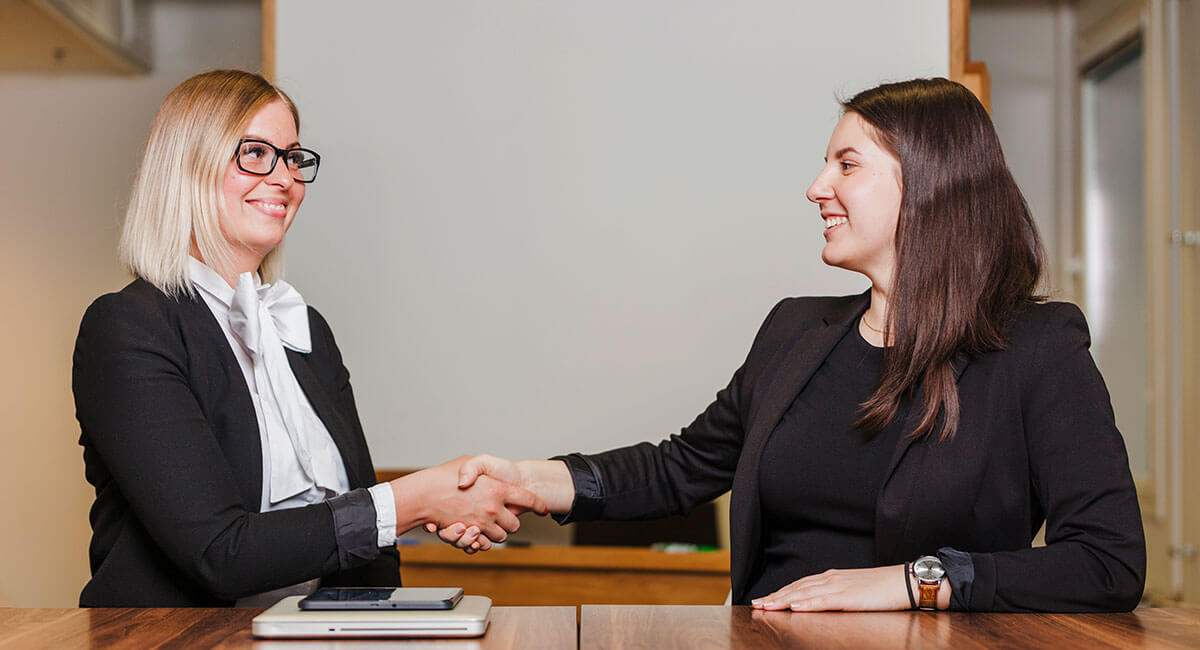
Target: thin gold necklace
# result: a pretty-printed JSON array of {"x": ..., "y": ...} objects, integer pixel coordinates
[{"x": 868, "y": 324}]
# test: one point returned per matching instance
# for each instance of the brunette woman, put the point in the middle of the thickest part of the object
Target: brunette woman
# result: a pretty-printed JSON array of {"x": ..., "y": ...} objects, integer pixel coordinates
[{"x": 902, "y": 447}]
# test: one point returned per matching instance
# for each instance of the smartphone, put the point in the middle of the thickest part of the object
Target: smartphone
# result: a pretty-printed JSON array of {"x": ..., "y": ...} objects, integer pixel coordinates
[{"x": 383, "y": 598}]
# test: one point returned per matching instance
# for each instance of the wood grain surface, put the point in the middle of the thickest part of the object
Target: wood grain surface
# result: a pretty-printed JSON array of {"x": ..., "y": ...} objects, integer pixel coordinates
[
  {"x": 698, "y": 628},
  {"x": 551, "y": 628}
]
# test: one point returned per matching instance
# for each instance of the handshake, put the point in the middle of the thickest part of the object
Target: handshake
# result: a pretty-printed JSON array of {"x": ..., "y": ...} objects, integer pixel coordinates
[{"x": 472, "y": 502}]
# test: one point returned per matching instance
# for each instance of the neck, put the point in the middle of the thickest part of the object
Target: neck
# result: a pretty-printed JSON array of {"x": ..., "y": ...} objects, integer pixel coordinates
[
  {"x": 241, "y": 261},
  {"x": 874, "y": 321}
]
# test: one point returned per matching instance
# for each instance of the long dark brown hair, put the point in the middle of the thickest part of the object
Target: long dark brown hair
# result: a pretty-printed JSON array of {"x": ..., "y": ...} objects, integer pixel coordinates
[{"x": 968, "y": 256}]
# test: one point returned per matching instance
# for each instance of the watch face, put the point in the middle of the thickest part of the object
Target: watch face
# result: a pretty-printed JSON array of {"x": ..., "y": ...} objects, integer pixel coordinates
[{"x": 928, "y": 568}]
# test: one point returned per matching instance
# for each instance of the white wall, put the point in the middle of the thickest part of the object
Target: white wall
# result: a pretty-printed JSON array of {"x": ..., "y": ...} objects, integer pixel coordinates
[
  {"x": 71, "y": 145},
  {"x": 553, "y": 226}
]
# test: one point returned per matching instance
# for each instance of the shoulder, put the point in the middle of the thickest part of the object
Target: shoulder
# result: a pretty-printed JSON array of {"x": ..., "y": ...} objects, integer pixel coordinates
[
  {"x": 138, "y": 302},
  {"x": 795, "y": 311},
  {"x": 1042, "y": 333},
  {"x": 141, "y": 314},
  {"x": 1038, "y": 322},
  {"x": 319, "y": 329},
  {"x": 325, "y": 352},
  {"x": 819, "y": 304},
  {"x": 317, "y": 322},
  {"x": 796, "y": 314}
]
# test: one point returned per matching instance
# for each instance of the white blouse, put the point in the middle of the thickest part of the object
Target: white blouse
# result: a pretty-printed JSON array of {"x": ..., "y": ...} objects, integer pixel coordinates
[{"x": 301, "y": 463}]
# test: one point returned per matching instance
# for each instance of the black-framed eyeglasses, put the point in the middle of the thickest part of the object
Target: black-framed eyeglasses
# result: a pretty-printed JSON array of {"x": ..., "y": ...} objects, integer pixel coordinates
[{"x": 258, "y": 157}]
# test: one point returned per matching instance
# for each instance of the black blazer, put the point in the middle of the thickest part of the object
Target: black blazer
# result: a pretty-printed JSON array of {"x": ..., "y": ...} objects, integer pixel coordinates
[
  {"x": 171, "y": 444},
  {"x": 1036, "y": 442}
]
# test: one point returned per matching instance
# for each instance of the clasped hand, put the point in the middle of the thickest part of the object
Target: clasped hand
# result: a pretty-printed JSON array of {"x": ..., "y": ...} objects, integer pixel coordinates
[
  {"x": 476, "y": 471},
  {"x": 488, "y": 504}
]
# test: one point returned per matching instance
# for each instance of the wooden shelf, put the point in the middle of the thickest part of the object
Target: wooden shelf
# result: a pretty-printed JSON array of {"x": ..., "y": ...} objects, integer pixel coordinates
[
  {"x": 41, "y": 36},
  {"x": 572, "y": 575}
]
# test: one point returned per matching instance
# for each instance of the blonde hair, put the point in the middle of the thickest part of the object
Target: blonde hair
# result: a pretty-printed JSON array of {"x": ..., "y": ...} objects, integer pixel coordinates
[{"x": 177, "y": 195}]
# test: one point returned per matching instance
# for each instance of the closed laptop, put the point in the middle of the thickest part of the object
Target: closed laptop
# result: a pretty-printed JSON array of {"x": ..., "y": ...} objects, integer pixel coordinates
[{"x": 286, "y": 620}]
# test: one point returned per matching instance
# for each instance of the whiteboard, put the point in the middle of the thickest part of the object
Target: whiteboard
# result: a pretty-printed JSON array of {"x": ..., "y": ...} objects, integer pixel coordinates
[{"x": 550, "y": 226}]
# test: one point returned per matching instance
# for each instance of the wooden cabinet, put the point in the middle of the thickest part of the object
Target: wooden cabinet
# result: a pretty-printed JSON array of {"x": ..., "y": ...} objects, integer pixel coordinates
[{"x": 572, "y": 575}]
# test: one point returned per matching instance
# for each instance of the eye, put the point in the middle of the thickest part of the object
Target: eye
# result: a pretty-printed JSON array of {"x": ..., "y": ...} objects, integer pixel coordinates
[
  {"x": 846, "y": 165},
  {"x": 254, "y": 150}
]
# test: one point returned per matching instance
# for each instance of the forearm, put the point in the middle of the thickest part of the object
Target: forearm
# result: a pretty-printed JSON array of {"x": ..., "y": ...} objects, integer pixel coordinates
[
  {"x": 411, "y": 498},
  {"x": 551, "y": 480}
]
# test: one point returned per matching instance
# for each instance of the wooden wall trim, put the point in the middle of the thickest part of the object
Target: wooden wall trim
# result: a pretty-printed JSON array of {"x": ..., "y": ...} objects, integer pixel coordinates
[
  {"x": 972, "y": 74},
  {"x": 385, "y": 474},
  {"x": 268, "y": 40},
  {"x": 960, "y": 38}
]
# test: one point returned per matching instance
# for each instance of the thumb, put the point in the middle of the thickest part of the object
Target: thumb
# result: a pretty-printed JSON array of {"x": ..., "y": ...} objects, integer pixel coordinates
[
  {"x": 470, "y": 471},
  {"x": 524, "y": 500}
]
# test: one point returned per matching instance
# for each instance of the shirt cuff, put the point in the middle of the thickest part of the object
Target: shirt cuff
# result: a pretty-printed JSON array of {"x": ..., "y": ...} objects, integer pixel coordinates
[
  {"x": 354, "y": 528},
  {"x": 960, "y": 571},
  {"x": 385, "y": 513},
  {"x": 588, "y": 491}
]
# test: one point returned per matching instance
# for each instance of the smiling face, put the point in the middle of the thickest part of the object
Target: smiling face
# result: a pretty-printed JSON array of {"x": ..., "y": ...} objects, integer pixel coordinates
[
  {"x": 859, "y": 192},
  {"x": 260, "y": 209}
]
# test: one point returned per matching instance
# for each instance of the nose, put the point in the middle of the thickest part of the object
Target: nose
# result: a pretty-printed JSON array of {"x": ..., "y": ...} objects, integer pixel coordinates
[
  {"x": 821, "y": 189},
  {"x": 281, "y": 176}
]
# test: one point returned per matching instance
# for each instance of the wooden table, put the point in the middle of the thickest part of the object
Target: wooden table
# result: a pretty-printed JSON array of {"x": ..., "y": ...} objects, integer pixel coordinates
[
  {"x": 631, "y": 627},
  {"x": 572, "y": 575},
  {"x": 628, "y": 627},
  {"x": 552, "y": 628}
]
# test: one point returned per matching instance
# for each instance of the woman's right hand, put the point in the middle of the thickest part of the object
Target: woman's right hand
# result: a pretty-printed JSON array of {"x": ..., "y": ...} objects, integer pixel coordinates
[
  {"x": 459, "y": 534},
  {"x": 434, "y": 496},
  {"x": 549, "y": 479}
]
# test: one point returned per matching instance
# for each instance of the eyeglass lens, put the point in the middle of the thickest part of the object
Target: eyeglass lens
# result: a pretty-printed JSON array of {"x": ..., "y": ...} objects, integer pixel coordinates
[{"x": 259, "y": 158}]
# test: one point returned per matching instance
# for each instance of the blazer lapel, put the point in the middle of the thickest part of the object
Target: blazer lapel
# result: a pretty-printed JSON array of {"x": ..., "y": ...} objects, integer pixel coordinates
[
  {"x": 905, "y": 486},
  {"x": 796, "y": 363},
  {"x": 338, "y": 429},
  {"x": 784, "y": 377},
  {"x": 233, "y": 408}
]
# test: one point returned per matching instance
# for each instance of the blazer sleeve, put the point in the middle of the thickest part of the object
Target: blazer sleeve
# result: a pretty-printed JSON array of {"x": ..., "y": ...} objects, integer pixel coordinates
[
  {"x": 1095, "y": 553},
  {"x": 692, "y": 467},
  {"x": 383, "y": 570},
  {"x": 140, "y": 416}
]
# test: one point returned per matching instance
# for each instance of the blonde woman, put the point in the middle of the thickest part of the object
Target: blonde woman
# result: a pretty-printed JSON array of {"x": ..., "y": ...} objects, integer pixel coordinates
[{"x": 218, "y": 423}]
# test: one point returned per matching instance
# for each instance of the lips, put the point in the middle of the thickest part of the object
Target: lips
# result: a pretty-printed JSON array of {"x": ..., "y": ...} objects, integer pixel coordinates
[{"x": 269, "y": 207}]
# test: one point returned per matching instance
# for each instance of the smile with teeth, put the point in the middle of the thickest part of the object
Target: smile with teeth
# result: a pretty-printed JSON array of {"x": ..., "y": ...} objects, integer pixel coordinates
[
  {"x": 835, "y": 221},
  {"x": 275, "y": 209}
]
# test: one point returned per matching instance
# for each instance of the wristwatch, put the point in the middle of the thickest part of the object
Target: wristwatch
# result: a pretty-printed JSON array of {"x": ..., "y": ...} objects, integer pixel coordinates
[{"x": 929, "y": 572}]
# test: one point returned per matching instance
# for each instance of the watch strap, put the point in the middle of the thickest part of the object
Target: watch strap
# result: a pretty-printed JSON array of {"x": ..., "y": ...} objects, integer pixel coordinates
[{"x": 929, "y": 594}]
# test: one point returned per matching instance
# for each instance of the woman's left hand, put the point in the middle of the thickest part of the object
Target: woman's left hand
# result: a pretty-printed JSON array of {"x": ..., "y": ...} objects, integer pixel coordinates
[{"x": 880, "y": 588}]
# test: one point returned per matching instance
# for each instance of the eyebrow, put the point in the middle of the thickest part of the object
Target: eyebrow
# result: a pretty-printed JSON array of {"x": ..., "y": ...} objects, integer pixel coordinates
[
  {"x": 842, "y": 152},
  {"x": 251, "y": 136}
]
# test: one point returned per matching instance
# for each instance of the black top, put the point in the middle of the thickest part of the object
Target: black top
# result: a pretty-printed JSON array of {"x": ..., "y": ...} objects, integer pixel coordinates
[
  {"x": 1036, "y": 443},
  {"x": 819, "y": 476}
]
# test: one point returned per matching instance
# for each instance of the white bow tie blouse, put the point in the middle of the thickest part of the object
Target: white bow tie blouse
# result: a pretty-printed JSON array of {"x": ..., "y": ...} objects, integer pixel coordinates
[{"x": 301, "y": 463}]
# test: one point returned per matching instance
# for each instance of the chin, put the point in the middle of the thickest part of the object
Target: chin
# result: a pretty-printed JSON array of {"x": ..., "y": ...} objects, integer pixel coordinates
[{"x": 830, "y": 259}]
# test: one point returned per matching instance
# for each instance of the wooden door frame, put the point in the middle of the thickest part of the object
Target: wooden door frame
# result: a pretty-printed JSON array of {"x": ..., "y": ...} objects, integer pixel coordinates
[
  {"x": 268, "y": 40},
  {"x": 972, "y": 74}
]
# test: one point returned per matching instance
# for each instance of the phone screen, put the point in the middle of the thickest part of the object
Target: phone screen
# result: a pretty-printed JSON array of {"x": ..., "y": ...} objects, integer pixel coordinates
[{"x": 383, "y": 598}]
